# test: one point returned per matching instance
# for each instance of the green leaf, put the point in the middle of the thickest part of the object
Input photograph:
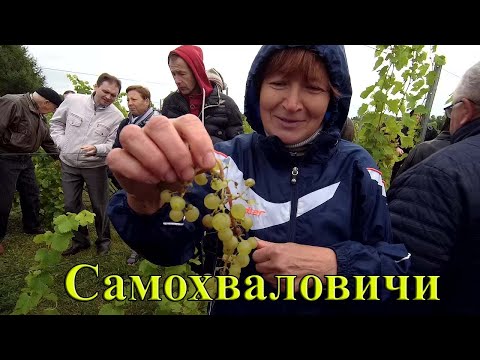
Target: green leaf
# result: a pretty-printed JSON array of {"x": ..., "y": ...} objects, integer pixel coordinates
[
  {"x": 85, "y": 217},
  {"x": 175, "y": 270},
  {"x": 362, "y": 109},
  {"x": 431, "y": 77},
  {"x": 61, "y": 241},
  {"x": 397, "y": 87},
  {"x": 421, "y": 109},
  {"x": 440, "y": 60},
  {"x": 393, "y": 105},
  {"x": 51, "y": 296},
  {"x": 41, "y": 254},
  {"x": 64, "y": 224},
  {"x": 43, "y": 238},
  {"x": 378, "y": 63},
  {"x": 367, "y": 91},
  {"x": 23, "y": 305}
]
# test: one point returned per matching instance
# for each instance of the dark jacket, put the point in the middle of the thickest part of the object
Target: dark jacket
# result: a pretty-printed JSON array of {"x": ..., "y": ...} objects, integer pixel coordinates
[
  {"x": 22, "y": 128},
  {"x": 337, "y": 201},
  {"x": 423, "y": 150},
  {"x": 126, "y": 121},
  {"x": 435, "y": 210},
  {"x": 223, "y": 119}
]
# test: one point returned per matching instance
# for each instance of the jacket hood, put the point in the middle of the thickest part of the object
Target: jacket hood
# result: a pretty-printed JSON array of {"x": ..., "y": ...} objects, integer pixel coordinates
[
  {"x": 336, "y": 62},
  {"x": 193, "y": 56}
]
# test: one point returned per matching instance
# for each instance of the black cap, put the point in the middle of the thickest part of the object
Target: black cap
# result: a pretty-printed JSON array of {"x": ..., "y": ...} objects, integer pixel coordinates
[{"x": 51, "y": 95}]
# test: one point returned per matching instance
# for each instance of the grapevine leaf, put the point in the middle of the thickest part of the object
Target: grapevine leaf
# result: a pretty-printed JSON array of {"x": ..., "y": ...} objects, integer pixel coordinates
[
  {"x": 51, "y": 296},
  {"x": 61, "y": 241},
  {"x": 23, "y": 305},
  {"x": 43, "y": 238},
  {"x": 85, "y": 217},
  {"x": 362, "y": 109},
  {"x": 367, "y": 91}
]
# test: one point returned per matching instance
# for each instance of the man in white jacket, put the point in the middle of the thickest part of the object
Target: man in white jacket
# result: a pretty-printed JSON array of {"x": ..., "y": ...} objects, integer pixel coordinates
[{"x": 84, "y": 129}]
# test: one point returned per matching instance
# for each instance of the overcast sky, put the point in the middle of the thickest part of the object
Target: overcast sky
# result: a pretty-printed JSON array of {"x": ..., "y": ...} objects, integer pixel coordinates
[{"x": 147, "y": 65}]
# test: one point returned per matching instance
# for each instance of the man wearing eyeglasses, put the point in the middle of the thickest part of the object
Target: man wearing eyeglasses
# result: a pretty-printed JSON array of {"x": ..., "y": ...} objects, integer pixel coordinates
[{"x": 435, "y": 209}]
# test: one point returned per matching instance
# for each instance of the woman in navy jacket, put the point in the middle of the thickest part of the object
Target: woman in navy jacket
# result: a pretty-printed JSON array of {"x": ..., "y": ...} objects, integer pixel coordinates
[{"x": 320, "y": 206}]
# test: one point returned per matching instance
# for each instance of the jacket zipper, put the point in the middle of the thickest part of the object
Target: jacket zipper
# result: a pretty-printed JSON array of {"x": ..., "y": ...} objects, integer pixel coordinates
[{"x": 294, "y": 204}]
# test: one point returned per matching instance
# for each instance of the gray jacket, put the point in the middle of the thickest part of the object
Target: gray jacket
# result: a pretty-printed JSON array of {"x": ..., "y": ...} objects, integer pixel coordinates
[{"x": 77, "y": 122}]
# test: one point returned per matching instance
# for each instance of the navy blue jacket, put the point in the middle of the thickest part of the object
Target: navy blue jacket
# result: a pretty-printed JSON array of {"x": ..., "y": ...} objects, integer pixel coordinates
[
  {"x": 338, "y": 200},
  {"x": 435, "y": 209}
]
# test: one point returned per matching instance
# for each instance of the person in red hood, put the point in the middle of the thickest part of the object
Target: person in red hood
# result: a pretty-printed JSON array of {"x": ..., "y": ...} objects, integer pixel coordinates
[{"x": 197, "y": 95}]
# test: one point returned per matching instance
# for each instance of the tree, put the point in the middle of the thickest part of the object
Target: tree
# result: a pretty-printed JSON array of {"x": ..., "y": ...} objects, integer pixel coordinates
[
  {"x": 405, "y": 76},
  {"x": 19, "y": 72}
]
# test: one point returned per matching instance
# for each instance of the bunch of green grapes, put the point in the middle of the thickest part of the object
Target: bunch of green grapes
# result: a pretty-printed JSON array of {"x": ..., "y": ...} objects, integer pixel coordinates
[
  {"x": 231, "y": 225},
  {"x": 229, "y": 220}
]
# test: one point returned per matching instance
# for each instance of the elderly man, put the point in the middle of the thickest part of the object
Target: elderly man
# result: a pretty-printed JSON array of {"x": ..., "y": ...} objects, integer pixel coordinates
[
  {"x": 199, "y": 96},
  {"x": 84, "y": 128},
  {"x": 435, "y": 209},
  {"x": 23, "y": 129}
]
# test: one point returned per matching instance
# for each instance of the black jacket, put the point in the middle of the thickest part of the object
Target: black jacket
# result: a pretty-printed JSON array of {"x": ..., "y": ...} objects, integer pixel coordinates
[
  {"x": 223, "y": 119},
  {"x": 423, "y": 150},
  {"x": 435, "y": 211}
]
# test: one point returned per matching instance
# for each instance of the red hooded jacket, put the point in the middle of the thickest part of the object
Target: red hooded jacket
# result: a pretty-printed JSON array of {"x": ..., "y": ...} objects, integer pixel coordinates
[{"x": 193, "y": 56}]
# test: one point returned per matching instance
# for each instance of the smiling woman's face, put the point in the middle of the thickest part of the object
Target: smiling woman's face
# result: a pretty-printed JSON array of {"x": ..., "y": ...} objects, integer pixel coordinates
[{"x": 294, "y": 96}]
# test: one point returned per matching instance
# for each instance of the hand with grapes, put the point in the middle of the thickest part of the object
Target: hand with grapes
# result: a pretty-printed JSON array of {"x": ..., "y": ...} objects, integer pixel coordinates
[
  {"x": 164, "y": 154},
  {"x": 157, "y": 164}
]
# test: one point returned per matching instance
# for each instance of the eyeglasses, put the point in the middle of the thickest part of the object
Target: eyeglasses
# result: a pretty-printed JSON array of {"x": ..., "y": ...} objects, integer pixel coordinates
[{"x": 448, "y": 109}]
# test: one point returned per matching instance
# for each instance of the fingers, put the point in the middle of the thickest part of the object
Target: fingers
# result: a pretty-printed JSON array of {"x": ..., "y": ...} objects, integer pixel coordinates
[
  {"x": 171, "y": 137},
  {"x": 262, "y": 243},
  {"x": 193, "y": 131},
  {"x": 147, "y": 155},
  {"x": 124, "y": 166}
]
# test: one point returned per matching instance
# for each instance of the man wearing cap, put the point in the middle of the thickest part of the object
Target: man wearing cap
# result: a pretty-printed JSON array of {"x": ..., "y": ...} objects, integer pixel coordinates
[
  {"x": 84, "y": 128},
  {"x": 199, "y": 96},
  {"x": 23, "y": 129}
]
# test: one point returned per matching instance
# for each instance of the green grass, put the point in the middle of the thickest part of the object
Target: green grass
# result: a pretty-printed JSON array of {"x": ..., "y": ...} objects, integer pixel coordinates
[{"x": 19, "y": 257}]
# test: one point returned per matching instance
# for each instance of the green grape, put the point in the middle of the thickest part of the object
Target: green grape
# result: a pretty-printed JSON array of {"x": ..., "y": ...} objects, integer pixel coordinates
[
  {"x": 242, "y": 260},
  {"x": 221, "y": 221},
  {"x": 249, "y": 183},
  {"x": 218, "y": 184},
  {"x": 228, "y": 250},
  {"x": 244, "y": 247},
  {"x": 207, "y": 221},
  {"x": 247, "y": 223},
  {"x": 176, "y": 215},
  {"x": 238, "y": 211},
  {"x": 211, "y": 201},
  {"x": 235, "y": 270},
  {"x": 225, "y": 234},
  {"x": 253, "y": 242},
  {"x": 230, "y": 243},
  {"x": 201, "y": 179},
  {"x": 177, "y": 203},
  {"x": 191, "y": 215},
  {"x": 165, "y": 196}
]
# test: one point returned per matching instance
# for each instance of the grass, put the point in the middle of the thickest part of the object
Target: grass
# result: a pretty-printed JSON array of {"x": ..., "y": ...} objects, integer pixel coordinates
[{"x": 19, "y": 257}]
